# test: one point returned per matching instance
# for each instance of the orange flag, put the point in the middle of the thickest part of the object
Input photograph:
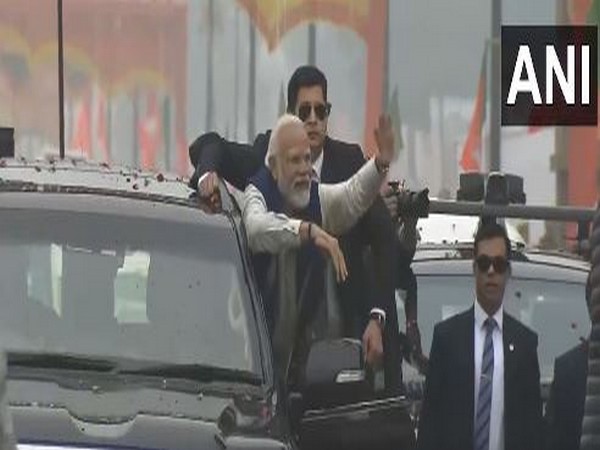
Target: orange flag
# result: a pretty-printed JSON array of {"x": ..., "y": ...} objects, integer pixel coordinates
[
  {"x": 471, "y": 154},
  {"x": 150, "y": 133},
  {"x": 82, "y": 136}
]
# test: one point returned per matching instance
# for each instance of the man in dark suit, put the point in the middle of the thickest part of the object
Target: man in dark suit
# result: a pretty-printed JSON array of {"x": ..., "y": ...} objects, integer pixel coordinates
[
  {"x": 367, "y": 308},
  {"x": 564, "y": 411},
  {"x": 482, "y": 389}
]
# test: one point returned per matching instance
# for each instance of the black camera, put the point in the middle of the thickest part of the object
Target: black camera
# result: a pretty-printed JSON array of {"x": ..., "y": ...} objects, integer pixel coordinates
[{"x": 411, "y": 203}]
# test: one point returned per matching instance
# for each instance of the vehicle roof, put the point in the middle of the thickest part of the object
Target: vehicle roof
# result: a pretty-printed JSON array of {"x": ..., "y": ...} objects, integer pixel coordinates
[
  {"x": 457, "y": 260},
  {"x": 96, "y": 187},
  {"x": 77, "y": 172},
  {"x": 449, "y": 228}
]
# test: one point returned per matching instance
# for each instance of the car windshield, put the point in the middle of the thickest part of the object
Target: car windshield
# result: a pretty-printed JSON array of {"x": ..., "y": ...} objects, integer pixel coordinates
[
  {"x": 116, "y": 286},
  {"x": 556, "y": 310}
]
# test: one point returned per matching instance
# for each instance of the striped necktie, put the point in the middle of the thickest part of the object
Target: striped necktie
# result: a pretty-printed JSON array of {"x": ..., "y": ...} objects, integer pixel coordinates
[{"x": 481, "y": 437}]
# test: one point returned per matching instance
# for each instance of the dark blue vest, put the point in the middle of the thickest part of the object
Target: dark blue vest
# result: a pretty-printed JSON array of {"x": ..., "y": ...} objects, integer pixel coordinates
[{"x": 310, "y": 264}]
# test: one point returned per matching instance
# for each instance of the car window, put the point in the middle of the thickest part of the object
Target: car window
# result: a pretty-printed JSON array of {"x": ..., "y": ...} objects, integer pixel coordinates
[
  {"x": 555, "y": 310},
  {"x": 125, "y": 287}
]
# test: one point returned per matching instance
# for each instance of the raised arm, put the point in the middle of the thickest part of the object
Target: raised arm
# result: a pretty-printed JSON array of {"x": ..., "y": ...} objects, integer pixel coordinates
[{"x": 343, "y": 204}]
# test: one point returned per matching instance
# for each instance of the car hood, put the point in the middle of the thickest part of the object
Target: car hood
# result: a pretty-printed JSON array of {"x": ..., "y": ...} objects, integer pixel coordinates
[
  {"x": 136, "y": 413},
  {"x": 52, "y": 430}
]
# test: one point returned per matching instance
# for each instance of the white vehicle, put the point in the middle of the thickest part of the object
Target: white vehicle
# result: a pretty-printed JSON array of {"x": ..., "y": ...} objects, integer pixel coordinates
[{"x": 451, "y": 229}]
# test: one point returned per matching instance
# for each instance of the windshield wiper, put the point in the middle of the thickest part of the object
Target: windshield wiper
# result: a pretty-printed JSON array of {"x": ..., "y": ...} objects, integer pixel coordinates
[
  {"x": 197, "y": 372},
  {"x": 44, "y": 360}
]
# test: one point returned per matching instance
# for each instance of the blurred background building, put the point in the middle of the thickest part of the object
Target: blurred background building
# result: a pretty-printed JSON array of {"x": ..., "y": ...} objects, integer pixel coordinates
[{"x": 145, "y": 77}]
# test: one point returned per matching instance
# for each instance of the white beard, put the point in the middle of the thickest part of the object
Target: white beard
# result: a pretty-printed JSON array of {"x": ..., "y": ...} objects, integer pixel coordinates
[
  {"x": 299, "y": 198},
  {"x": 296, "y": 198}
]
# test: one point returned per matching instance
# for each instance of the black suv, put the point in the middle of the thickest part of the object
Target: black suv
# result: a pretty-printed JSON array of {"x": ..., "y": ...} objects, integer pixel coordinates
[{"x": 131, "y": 319}]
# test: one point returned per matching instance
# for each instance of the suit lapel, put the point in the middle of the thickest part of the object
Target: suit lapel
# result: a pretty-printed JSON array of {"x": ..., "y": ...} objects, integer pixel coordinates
[
  {"x": 465, "y": 358},
  {"x": 578, "y": 382},
  {"x": 328, "y": 167},
  {"x": 511, "y": 350}
]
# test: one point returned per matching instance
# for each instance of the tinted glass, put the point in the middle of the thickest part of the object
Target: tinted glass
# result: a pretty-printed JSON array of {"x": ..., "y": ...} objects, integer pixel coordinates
[{"x": 124, "y": 287}]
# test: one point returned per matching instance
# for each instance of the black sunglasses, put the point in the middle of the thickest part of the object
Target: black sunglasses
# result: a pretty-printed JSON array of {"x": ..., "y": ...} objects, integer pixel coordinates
[
  {"x": 322, "y": 110},
  {"x": 500, "y": 263}
]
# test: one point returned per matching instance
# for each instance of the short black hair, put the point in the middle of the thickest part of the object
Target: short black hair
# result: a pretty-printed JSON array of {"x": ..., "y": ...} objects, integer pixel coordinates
[
  {"x": 489, "y": 229},
  {"x": 304, "y": 76}
]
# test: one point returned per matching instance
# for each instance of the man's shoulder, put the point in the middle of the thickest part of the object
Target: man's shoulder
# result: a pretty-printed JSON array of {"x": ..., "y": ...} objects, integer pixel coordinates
[
  {"x": 263, "y": 137},
  {"x": 520, "y": 330},
  {"x": 205, "y": 138},
  {"x": 573, "y": 356},
  {"x": 261, "y": 143},
  {"x": 343, "y": 149},
  {"x": 210, "y": 138},
  {"x": 457, "y": 321}
]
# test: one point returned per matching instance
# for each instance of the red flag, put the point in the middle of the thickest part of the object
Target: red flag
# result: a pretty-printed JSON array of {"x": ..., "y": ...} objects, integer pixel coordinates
[
  {"x": 471, "y": 155},
  {"x": 101, "y": 131},
  {"x": 82, "y": 136},
  {"x": 149, "y": 133}
]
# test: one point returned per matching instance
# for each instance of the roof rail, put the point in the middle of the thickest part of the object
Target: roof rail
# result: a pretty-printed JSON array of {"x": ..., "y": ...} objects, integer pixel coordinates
[
  {"x": 557, "y": 213},
  {"x": 582, "y": 216}
]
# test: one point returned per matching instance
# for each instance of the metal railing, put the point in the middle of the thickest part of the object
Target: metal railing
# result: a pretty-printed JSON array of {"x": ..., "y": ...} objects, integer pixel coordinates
[{"x": 556, "y": 213}]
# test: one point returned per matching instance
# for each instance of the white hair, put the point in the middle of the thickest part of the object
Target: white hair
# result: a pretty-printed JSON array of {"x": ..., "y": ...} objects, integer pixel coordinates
[{"x": 274, "y": 148}]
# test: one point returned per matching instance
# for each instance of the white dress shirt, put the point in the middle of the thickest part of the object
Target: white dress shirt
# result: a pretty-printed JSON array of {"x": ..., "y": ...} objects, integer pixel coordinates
[
  {"x": 318, "y": 166},
  {"x": 497, "y": 409},
  {"x": 342, "y": 205}
]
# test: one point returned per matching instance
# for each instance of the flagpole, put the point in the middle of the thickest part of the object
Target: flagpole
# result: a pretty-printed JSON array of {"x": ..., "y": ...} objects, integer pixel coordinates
[
  {"x": 495, "y": 94},
  {"x": 236, "y": 88},
  {"x": 312, "y": 44},
  {"x": 61, "y": 81},
  {"x": 209, "y": 76},
  {"x": 252, "y": 85}
]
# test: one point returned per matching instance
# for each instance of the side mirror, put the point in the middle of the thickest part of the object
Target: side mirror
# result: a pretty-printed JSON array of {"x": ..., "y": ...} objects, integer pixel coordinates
[{"x": 336, "y": 374}]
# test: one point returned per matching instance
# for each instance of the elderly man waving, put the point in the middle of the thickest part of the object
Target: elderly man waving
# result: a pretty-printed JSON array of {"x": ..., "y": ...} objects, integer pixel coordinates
[{"x": 291, "y": 221}]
